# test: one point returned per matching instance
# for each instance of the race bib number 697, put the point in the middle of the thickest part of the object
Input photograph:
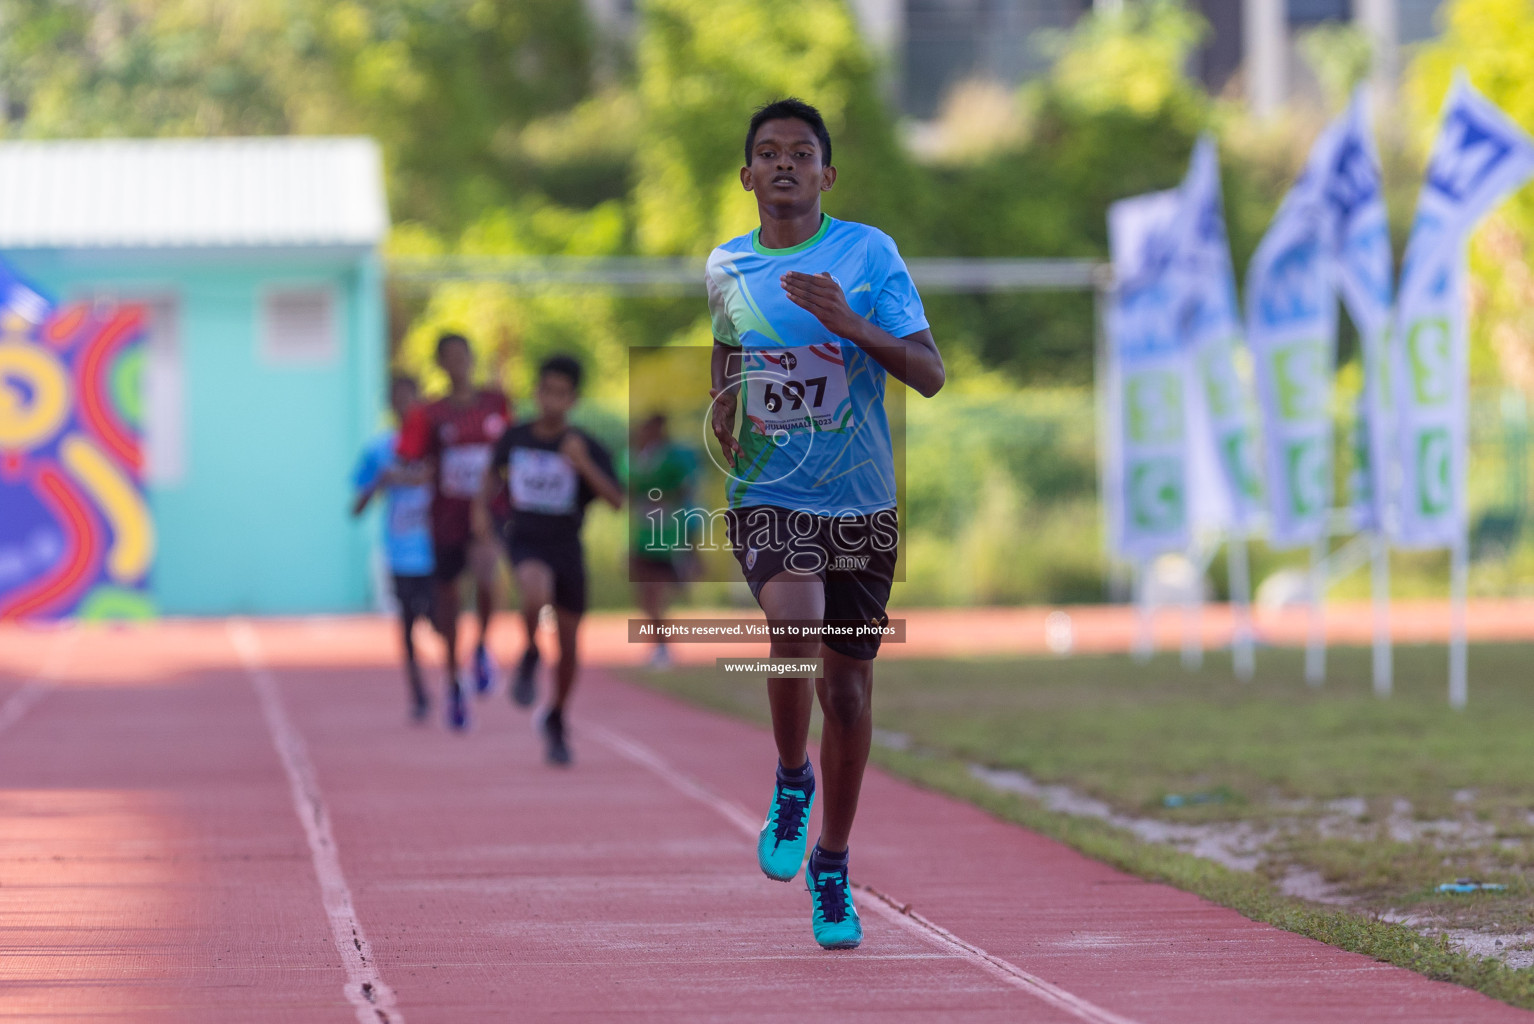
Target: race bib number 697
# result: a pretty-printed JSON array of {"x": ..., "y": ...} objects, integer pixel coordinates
[{"x": 796, "y": 390}]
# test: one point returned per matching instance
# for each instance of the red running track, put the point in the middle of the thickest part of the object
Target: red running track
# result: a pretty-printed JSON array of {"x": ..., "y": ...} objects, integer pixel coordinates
[{"x": 209, "y": 822}]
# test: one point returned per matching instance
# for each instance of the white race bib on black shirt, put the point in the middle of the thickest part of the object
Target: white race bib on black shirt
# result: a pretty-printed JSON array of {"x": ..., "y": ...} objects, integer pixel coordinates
[{"x": 541, "y": 481}]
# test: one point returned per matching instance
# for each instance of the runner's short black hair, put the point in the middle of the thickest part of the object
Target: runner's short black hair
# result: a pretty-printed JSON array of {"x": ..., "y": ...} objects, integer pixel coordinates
[
  {"x": 451, "y": 338},
  {"x": 565, "y": 365},
  {"x": 790, "y": 107},
  {"x": 403, "y": 380}
]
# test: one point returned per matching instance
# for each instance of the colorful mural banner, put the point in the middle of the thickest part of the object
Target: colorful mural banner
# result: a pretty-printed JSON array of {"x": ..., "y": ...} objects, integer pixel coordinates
[
  {"x": 1479, "y": 157},
  {"x": 76, "y": 538}
]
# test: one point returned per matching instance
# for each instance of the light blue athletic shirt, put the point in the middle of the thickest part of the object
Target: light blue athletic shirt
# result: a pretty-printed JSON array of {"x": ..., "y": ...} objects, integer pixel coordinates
[
  {"x": 815, "y": 432},
  {"x": 406, "y": 513}
]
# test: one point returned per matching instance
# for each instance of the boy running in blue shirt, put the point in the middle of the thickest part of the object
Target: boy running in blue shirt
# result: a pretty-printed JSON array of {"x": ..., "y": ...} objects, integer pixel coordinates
[
  {"x": 811, "y": 315},
  {"x": 406, "y": 529}
]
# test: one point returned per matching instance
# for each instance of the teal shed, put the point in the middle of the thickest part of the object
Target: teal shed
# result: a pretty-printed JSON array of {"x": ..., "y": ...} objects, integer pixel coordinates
[{"x": 258, "y": 262}]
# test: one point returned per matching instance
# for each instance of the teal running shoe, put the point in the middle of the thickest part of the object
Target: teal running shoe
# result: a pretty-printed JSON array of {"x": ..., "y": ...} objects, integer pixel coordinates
[
  {"x": 780, "y": 844},
  {"x": 832, "y": 913}
]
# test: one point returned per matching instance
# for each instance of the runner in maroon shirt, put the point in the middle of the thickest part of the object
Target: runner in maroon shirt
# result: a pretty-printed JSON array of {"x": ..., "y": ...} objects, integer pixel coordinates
[{"x": 454, "y": 435}]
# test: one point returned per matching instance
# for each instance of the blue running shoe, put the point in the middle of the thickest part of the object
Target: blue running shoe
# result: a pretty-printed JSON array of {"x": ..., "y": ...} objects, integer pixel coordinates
[
  {"x": 780, "y": 844},
  {"x": 457, "y": 710},
  {"x": 832, "y": 913},
  {"x": 484, "y": 671}
]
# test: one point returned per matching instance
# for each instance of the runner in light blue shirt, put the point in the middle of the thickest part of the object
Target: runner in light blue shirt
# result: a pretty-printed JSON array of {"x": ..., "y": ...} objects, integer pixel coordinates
[
  {"x": 811, "y": 316},
  {"x": 815, "y": 434},
  {"x": 406, "y": 530}
]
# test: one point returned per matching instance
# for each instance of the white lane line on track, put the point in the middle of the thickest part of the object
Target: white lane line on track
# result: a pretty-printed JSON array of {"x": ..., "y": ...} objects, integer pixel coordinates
[
  {"x": 873, "y": 900},
  {"x": 1003, "y": 970},
  {"x": 35, "y": 689},
  {"x": 20, "y": 702},
  {"x": 365, "y": 989}
]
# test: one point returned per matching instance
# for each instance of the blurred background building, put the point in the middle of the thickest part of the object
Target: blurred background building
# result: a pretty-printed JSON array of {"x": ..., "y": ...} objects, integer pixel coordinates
[{"x": 257, "y": 260}]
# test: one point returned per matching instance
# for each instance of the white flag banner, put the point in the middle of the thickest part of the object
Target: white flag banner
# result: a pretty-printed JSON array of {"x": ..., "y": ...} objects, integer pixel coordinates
[
  {"x": 1480, "y": 155},
  {"x": 1223, "y": 468},
  {"x": 1361, "y": 246},
  {"x": 1147, "y": 475},
  {"x": 1291, "y": 316}
]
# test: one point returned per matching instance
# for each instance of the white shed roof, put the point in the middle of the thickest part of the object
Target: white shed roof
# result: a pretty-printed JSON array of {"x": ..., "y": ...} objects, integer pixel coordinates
[{"x": 176, "y": 193}]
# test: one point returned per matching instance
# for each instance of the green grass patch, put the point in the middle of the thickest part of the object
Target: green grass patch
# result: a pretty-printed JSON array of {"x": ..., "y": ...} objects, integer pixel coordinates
[
  {"x": 1272, "y": 752},
  {"x": 1130, "y": 734},
  {"x": 1249, "y": 894}
]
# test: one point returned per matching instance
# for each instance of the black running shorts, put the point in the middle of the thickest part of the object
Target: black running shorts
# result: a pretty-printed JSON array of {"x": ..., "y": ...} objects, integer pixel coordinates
[
  {"x": 452, "y": 560},
  {"x": 853, "y": 554},
  {"x": 415, "y": 595},
  {"x": 567, "y": 564}
]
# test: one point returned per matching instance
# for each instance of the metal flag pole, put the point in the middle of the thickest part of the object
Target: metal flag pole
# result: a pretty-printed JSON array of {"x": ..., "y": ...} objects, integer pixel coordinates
[
  {"x": 1379, "y": 544},
  {"x": 1459, "y": 578},
  {"x": 1240, "y": 605},
  {"x": 1380, "y": 585},
  {"x": 1193, "y": 614},
  {"x": 1315, "y": 638},
  {"x": 1144, "y": 642}
]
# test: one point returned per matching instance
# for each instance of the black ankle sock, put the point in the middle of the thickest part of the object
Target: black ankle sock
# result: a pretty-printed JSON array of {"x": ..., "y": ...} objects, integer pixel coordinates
[
  {"x": 821, "y": 860},
  {"x": 802, "y": 777}
]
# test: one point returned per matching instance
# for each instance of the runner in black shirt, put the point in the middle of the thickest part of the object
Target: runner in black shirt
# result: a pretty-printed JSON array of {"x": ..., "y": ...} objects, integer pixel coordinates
[{"x": 551, "y": 472}]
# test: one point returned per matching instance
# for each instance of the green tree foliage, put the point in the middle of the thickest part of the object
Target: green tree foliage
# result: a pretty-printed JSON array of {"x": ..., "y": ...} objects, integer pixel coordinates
[
  {"x": 668, "y": 147},
  {"x": 704, "y": 65},
  {"x": 1130, "y": 57},
  {"x": 484, "y": 111},
  {"x": 142, "y": 67},
  {"x": 1117, "y": 115},
  {"x": 444, "y": 85},
  {"x": 497, "y": 139},
  {"x": 1340, "y": 55}
]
